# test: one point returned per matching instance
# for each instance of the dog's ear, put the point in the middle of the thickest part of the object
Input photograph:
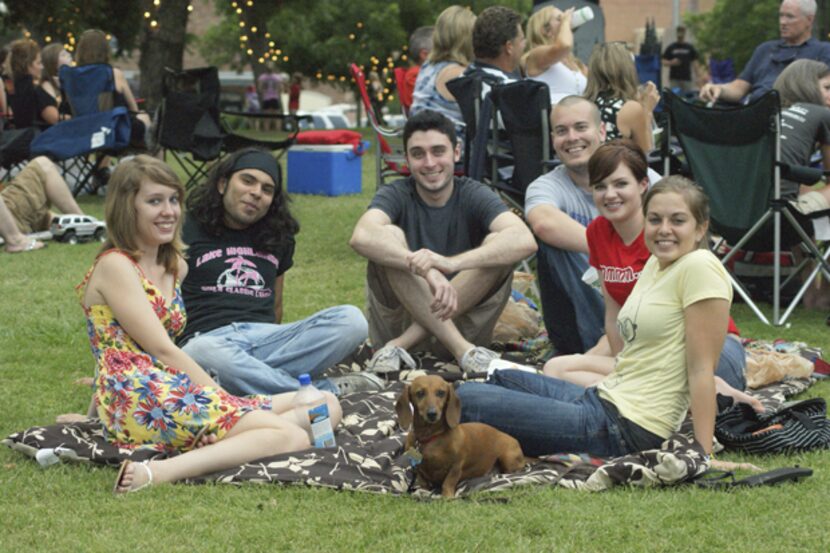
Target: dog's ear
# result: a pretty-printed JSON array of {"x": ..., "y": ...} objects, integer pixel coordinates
[
  {"x": 452, "y": 409},
  {"x": 403, "y": 409}
]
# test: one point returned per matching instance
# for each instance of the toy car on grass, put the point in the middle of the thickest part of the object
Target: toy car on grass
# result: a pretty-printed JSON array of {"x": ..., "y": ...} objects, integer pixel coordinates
[{"x": 74, "y": 228}]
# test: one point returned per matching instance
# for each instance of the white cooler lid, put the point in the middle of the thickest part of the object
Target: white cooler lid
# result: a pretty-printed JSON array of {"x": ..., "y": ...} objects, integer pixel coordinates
[{"x": 321, "y": 148}]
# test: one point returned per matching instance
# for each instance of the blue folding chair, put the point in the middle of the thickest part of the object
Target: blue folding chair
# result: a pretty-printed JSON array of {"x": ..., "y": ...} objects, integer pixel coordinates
[{"x": 95, "y": 127}]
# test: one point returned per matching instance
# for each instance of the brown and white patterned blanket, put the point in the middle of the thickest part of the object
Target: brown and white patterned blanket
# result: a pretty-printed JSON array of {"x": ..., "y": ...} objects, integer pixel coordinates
[{"x": 369, "y": 452}]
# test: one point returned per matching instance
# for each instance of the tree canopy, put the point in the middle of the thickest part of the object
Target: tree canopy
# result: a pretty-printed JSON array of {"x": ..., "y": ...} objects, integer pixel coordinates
[
  {"x": 52, "y": 20},
  {"x": 734, "y": 28},
  {"x": 320, "y": 38}
]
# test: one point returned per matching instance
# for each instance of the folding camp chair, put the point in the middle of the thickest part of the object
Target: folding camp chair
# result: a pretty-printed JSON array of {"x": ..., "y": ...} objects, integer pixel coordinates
[
  {"x": 467, "y": 93},
  {"x": 389, "y": 162},
  {"x": 486, "y": 150},
  {"x": 80, "y": 145},
  {"x": 400, "y": 83},
  {"x": 734, "y": 155},
  {"x": 525, "y": 112},
  {"x": 190, "y": 127}
]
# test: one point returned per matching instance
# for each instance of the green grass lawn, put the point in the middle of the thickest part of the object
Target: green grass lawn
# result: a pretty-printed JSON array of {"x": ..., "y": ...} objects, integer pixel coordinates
[{"x": 43, "y": 349}]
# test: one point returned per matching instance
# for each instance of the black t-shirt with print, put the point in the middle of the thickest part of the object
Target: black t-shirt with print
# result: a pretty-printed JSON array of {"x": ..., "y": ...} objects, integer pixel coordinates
[{"x": 228, "y": 281}]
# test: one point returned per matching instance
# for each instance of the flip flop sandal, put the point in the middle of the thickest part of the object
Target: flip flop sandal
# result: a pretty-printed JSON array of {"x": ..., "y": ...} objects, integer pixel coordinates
[
  {"x": 719, "y": 479},
  {"x": 199, "y": 435},
  {"x": 32, "y": 245},
  {"x": 116, "y": 490}
]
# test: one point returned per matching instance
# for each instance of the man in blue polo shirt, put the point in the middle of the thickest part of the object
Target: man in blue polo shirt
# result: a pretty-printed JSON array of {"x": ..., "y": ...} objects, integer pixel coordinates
[{"x": 795, "y": 20}]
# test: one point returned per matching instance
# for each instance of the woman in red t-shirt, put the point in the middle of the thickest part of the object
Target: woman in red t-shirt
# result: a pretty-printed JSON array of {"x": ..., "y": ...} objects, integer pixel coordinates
[{"x": 618, "y": 176}]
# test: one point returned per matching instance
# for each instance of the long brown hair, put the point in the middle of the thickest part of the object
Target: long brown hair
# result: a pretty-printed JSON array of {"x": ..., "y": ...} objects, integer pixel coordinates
[
  {"x": 93, "y": 47},
  {"x": 24, "y": 52},
  {"x": 119, "y": 209},
  {"x": 611, "y": 72}
]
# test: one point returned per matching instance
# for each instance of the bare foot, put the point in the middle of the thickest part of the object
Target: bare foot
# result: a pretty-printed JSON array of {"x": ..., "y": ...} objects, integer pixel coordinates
[
  {"x": 84, "y": 381},
  {"x": 69, "y": 418},
  {"x": 205, "y": 439},
  {"x": 133, "y": 477},
  {"x": 729, "y": 465}
]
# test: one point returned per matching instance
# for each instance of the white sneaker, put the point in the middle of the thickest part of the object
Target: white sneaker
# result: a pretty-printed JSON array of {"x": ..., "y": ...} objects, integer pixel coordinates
[
  {"x": 357, "y": 382},
  {"x": 388, "y": 359},
  {"x": 477, "y": 359}
]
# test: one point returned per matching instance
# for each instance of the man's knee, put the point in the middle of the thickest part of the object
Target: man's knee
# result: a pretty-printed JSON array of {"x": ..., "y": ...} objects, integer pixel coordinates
[
  {"x": 209, "y": 352},
  {"x": 353, "y": 327}
]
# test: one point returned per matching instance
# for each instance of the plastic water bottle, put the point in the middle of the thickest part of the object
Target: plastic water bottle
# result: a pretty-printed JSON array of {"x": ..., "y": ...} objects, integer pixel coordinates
[
  {"x": 581, "y": 16},
  {"x": 310, "y": 403}
]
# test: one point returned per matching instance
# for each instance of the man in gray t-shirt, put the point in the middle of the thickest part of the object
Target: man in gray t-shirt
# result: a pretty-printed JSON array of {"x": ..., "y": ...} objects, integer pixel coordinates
[
  {"x": 441, "y": 252},
  {"x": 559, "y": 206}
]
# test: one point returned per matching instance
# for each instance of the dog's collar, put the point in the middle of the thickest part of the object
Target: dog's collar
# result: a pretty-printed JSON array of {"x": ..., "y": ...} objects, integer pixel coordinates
[{"x": 422, "y": 442}]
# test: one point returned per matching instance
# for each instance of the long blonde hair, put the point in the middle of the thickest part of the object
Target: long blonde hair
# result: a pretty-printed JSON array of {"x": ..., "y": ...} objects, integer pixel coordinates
[
  {"x": 119, "y": 209},
  {"x": 452, "y": 38},
  {"x": 611, "y": 72},
  {"x": 535, "y": 35}
]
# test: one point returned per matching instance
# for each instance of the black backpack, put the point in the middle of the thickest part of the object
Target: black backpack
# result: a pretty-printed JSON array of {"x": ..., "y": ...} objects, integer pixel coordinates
[{"x": 799, "y": 426}]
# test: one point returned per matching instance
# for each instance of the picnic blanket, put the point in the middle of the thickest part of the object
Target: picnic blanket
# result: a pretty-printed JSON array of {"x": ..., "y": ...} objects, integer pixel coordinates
[{"x": 369, "y": 453}]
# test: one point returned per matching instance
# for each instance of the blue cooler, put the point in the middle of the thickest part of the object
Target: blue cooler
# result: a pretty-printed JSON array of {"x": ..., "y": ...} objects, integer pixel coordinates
[{"x": 330, "y": 170}]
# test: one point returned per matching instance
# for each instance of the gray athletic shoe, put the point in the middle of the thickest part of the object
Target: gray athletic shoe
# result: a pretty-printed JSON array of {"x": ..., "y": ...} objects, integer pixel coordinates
[
  {"x": 388, "y": 359},
  {"x": 477, "y": 359},
  {"x": 357, "y": 382}
]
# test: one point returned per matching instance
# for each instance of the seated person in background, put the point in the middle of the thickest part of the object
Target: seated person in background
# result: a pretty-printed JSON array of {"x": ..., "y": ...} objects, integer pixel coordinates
[
  {"x": 498, "y": 45},
  {"x": 31, "y": 194},
  {"x": 804, "y": 88},
  {"x": 795, "y": 23},
  {"x": 550, "y": 58},
  {"x": 148, "y": 391},
  {"x": 420, "y": 45},
  {"x": 626, "y": 110},
  {"x": 30, "y": 104},
  {"x": 673, "y": 328},
  {"x": 240, "y": 237},
  {"x": 15, "y": 240},
  {"x": 617, "y": 250},
  {"x": 93, "y": 47},
  {"x": 441, "y": 252},
  {"x": 452, "y": 51},
  {"x": 54, "y": 57},
  {"x": 558, "y": 207}
]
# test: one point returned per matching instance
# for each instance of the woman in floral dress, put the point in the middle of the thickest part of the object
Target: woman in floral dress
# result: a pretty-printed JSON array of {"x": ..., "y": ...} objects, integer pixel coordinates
[{"x": 148, "y": 393}]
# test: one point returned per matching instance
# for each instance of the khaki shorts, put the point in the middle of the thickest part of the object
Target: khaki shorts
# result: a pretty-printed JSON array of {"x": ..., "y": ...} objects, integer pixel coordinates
[
  {"x": 25, "y": 196},
  {"x": 388, "y": 319}
]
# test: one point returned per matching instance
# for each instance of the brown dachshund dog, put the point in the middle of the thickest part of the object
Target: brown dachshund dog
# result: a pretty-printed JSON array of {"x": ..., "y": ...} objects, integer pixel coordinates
[{"x": 445, "y": 451}]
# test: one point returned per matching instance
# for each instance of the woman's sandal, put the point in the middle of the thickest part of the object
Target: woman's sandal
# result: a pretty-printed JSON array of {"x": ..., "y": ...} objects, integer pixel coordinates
[
  {"x": 119, "y": 490},
  {"x": 31, "y": 245}
]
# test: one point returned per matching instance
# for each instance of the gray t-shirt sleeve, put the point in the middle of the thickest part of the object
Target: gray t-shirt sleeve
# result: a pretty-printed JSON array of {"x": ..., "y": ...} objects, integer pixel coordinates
[
  {"x": 483, "y": 202},
  {"x": 390, "y": 199},
  {"x": 544, "y": 191}
]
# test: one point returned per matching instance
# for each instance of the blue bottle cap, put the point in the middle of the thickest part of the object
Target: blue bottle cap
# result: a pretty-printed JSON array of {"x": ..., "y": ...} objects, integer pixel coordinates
[{"x": 305, "y": 379}]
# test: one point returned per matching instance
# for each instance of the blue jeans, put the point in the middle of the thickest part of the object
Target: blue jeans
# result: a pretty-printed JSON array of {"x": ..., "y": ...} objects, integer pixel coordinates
[
  {"x": 263, "y": 358},
  {"x": 548, "y": 415},
  {"x": 574, "y": 313},
  {"x": 732, "y": 363}
]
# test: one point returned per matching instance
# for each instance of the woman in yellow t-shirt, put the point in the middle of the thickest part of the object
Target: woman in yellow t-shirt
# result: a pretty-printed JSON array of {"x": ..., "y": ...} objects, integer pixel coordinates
[{"x": 673, "y": 327}]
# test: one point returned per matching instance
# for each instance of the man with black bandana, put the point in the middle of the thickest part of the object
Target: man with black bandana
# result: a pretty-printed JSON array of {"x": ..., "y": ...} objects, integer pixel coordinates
[{"x": 240, "y": 237}]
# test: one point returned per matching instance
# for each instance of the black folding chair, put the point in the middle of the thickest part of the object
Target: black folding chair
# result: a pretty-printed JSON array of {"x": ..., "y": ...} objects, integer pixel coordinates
[
  {"x": 190, "y": 126},
  {"x": 734, "y": 155}
]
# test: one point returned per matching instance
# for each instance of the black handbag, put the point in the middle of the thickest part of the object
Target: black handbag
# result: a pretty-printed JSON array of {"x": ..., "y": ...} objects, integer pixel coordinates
[{"x": 799, "y": 426}]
